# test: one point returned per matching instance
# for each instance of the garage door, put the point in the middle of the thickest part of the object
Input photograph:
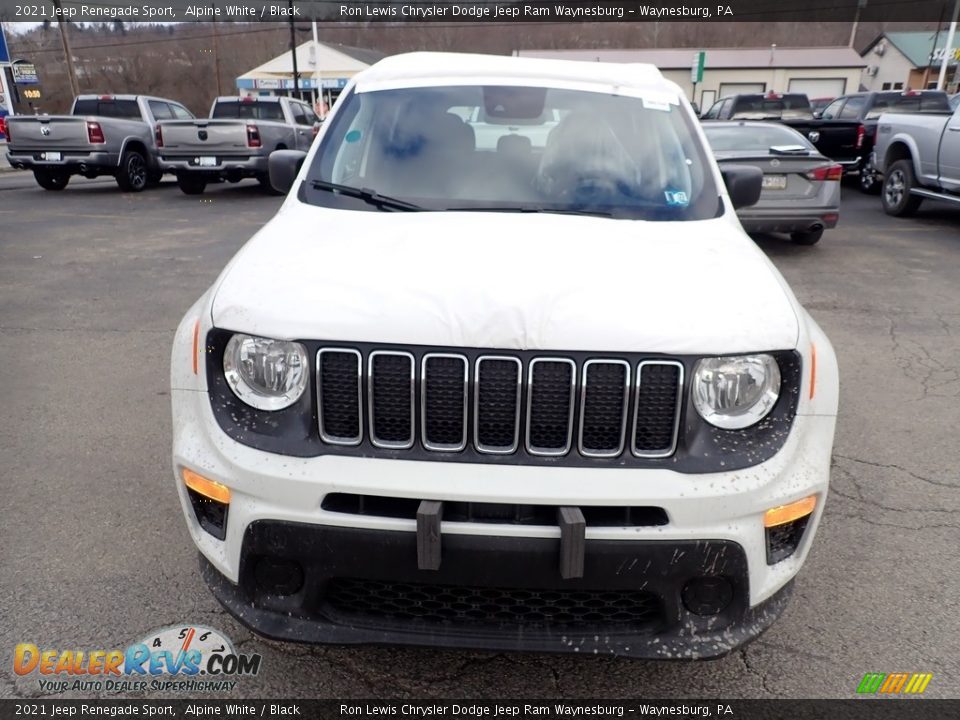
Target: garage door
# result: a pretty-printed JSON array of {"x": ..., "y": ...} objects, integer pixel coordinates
[
  {"x": 819, "y": 88},
  {"x": 727, "y": 89}
]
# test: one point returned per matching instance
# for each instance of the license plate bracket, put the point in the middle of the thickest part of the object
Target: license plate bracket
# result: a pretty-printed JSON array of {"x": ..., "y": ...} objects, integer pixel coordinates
[{"x": 774, "y": 182}]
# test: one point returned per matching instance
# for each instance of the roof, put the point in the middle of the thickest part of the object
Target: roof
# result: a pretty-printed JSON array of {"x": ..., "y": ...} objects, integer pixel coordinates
[
  {"x": 329, "y": 61},
  {"x": 716, "y": 59},
  {"x": 918, "y": 46},
  {"x": 432, "y": 68}
]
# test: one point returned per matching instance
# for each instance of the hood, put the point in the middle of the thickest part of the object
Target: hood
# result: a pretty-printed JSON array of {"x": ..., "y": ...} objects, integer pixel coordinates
[{"x": 506, "y": 280}]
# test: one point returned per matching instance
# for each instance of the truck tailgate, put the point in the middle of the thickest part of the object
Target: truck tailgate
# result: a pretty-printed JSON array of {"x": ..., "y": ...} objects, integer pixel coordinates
[
  {"x": 204, "y": 136},
  {"x": 55, "y": 132}
]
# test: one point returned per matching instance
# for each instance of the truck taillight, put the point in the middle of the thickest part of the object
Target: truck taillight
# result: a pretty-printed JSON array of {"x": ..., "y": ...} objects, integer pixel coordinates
[
  {"x": 825, "y": 172},
  {"x": 253, "y": 136},
  {"x": 158, "y": 136},
  {"x": 861, "y": 133},
  {"x": 95, "y": 133}
]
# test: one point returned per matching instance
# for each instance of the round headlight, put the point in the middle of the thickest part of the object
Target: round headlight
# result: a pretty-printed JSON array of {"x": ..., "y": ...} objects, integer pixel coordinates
[
  {"x": 735, "y": 392},
  {"x": 266, "y": 374}
]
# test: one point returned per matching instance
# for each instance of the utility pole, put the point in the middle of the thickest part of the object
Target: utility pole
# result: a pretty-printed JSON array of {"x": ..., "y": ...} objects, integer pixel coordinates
[
  {"x": 74, "y": 86},
  {"x": 949, "y": 46},
  {"x": 856, "y": 22},
  {"x": 316, "y": 65},
  {"x": 216, "y": 53},
  {"x": 293, "y": 51}
]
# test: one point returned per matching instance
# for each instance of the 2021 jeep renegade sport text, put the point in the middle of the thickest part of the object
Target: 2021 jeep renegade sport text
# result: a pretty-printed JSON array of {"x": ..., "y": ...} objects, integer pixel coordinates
[{"x": 504, "y": 371}]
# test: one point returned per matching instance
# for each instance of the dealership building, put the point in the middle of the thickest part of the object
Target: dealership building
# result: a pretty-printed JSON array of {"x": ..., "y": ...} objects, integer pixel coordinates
[
  {"x": 911, "y": 60},
  {"x": 815, "y": 71}
]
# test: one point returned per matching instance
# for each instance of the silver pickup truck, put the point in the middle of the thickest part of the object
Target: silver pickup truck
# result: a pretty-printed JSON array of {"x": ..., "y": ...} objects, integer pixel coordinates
[
  {"x": 102, "y": 135},
  {"x": 235, "y": 141},
  {"x": 919, "y": 156}
]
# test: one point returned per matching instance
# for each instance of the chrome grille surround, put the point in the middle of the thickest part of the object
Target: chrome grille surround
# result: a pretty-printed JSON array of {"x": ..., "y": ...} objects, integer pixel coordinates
[
  {"x": 371, "y": 400},
  {"x": 324, "y": 435},
  {"x": 672, "y": 448},
  {"x": 595, "y": 452},
  {"x": 443, "y": 447},
  {"x": 496, "y": 449}
]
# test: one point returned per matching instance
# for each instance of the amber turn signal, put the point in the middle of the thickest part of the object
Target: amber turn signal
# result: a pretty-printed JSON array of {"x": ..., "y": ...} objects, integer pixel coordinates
[
  {"x": 788, "y": 513},
  {"x": 208, "y": 488}
]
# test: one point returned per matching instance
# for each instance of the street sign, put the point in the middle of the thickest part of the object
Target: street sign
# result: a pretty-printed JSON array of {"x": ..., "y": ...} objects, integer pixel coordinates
[
  {"x": 25, "y": 73},
  {"x": 696, "y": 68}
]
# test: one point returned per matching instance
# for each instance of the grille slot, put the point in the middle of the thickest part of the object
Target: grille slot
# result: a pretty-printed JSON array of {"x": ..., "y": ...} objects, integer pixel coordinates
[
  {"x": 532, "y": 608},
  {"x": 656, "y": 420},
  {"x": 603, "y": 407},
  {"x": 497, "y": 386},
  {"x": 339, "y": 393},
  {"x": 550, "y": 400},
  {"x": 390, "y": 381},
  {"x": 444, "y": 402}
]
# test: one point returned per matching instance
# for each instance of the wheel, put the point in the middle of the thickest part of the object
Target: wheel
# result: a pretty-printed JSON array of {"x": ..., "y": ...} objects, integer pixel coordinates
[
  {"x": 870, "y": 180},
  {"x": 191, "y": 185},
  {"x": 265, "y": 185},
  {"x": 810, "y": 237},
  {"x": 896, "y": 196},
  {"x": 132, "y": 175},
  {"x": 51, "y": 179}
]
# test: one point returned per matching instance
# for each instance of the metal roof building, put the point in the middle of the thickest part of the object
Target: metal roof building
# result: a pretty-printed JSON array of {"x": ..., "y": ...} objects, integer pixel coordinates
[{"x": 910, "y": 60}]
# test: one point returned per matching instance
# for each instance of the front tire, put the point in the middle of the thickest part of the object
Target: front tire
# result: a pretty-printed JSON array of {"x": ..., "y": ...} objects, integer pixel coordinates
[
  {"x": 870, "y": 181},
  {"x": 132, "y": 175},
  {"x": 896, "y": 197},
  {"x": 809, "y": 237},
  {"x": 191, "y": 185},
  {"x": 51, "y": 179}
]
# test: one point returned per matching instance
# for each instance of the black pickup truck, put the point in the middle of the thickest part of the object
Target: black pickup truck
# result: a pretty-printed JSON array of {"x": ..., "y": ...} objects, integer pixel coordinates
[{"x": 851, "y": 146}]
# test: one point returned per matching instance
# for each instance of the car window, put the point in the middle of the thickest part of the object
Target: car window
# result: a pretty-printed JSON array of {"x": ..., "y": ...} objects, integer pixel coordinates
[
  {"x": 248, "y": 109},
  {"x": 763, "y": 107},
  {"x": 124, "y": 109},
  {"x": 714, "y": 112},
  {"x": 180, "y": 112},
  {"x": 300, "y": 114},
  {"x": 753, "y": 137},
  {"x": 160, "y": 110},
  {"x": 727, "y": 107},
  {"x": 531, "y": 147},
  {"x": 833, "y": 109},
  {"x": 311, "y": 116},
  {"x": 853, "y": 108}
]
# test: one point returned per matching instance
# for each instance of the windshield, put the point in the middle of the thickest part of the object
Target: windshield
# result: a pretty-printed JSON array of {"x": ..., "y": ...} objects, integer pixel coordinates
[
  {"x": 514, "y": 149},
  {"x": 750, "y": 138}
]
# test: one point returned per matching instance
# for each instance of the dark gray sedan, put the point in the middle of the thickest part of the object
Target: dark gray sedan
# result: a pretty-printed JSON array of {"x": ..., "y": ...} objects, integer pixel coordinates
[{"x": 801, "y": 187}]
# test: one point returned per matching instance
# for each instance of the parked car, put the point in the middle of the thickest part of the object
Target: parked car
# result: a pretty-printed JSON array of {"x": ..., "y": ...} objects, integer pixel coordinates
[
  {"x": 955, "y": 101},
  {"x": 801, "y": 187},
  {"x": 919, "y": 156},
  {"x": 847, "y": 127},
  {"x": 235, "y": 141},
  {"x": 540, "y": 396},
  {"x": 818, "y": 104},
  {"x": 102, "y": 135}
]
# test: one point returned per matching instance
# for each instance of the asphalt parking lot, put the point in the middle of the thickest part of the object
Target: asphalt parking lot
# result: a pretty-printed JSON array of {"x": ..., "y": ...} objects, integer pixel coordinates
[{"x": 93, "y": 548}]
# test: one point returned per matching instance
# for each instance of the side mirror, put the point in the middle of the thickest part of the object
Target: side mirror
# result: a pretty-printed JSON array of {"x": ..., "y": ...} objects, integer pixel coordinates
[
  {"x": 284, "y": 165},
  {"x": 818, "y": 114},
  {"x": 744, "y": 184}
]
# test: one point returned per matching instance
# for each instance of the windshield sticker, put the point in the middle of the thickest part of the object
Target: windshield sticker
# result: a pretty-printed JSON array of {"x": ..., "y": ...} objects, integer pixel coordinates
[
  {"x": 676, "y": 198},
  {"x": 655, "y": 105},
  {"x": 352, "y": 136}
]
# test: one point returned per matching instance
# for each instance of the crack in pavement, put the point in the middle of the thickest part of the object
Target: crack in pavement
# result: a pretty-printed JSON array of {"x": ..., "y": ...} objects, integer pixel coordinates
[
  {"x": 902, "y": 469},
  {"x": 920, "y": 366},
  {"x": 742, "y": 654},
  {"x": 860, "y": 498}
]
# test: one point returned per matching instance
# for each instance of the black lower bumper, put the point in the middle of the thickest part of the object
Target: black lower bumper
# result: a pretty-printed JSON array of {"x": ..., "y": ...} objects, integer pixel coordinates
[{"x": 641, "y": 599}]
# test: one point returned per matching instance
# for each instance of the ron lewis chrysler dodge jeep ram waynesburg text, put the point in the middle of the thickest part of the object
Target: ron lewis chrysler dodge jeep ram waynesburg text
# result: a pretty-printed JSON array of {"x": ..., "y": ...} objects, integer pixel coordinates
[{"x": 505, "y": 372}]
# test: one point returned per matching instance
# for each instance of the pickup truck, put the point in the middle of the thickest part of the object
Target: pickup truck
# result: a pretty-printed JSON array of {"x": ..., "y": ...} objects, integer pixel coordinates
[
  {"x": 102, "y": 135},
  {"x": 235, "y": 141},
  {"x": 846, "y": 129},
  {"x": 919, "y": 156}
]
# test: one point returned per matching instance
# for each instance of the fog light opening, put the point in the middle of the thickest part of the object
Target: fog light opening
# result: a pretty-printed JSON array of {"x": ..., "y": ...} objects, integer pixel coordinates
[
  {"x": 707, "y": 595},
  {"x": 783, "y": 540},
  {"x": 276, "y": 576}
]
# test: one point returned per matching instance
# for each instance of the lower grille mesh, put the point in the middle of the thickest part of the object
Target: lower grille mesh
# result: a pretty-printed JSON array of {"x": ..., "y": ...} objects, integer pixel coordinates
[{"x": 460, "y": 605}]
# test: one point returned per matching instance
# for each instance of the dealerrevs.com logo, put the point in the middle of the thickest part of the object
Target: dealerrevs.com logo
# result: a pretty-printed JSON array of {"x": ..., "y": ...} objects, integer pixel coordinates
[{"x": 179, "y": 658}]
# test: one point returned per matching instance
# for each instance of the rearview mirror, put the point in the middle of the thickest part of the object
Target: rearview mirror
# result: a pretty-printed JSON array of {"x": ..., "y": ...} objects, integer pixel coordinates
[
  {"x": 744, "y": 184},
  {"x": 284, "y": 166}
]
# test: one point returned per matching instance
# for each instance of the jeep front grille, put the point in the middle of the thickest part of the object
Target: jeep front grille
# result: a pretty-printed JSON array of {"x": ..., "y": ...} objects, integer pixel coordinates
[{"x": 499, "y": 404}]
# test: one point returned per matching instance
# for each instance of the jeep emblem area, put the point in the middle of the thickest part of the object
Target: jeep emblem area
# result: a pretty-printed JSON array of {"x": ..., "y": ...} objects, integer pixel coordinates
[
  {"x": 44, "y": 130},
  {"x": 813, "y": 135}
]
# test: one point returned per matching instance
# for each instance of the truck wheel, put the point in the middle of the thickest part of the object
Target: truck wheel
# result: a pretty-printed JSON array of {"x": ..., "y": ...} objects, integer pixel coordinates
[
  {"x": 896, "y": 197},
  {"x": 191, "y": 185},
  {"x": 132, "y": 175},
  {"x": 51, "y": 179},
  {"x": 870, "y": 180},
  {"x": 265, "y": 185},
  {"x": 809, "y": 237}
]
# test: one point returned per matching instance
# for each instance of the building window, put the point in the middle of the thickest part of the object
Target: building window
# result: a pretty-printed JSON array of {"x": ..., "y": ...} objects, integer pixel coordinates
[
  {"x": 886, "y": 86},
  {"x": 898, "y": 86}
]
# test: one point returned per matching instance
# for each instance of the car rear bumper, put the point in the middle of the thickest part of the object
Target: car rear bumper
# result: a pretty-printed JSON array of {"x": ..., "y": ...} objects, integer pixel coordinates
[
  {"x": 226, "y": 165},
  {"x": 785, "y": 219},
  {"x": 644, "y": 599},
  {"x": 71, "y": 160}
]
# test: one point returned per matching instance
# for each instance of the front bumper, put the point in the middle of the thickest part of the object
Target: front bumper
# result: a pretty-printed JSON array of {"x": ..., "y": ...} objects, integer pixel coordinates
[{"x": 354, "y": 586}]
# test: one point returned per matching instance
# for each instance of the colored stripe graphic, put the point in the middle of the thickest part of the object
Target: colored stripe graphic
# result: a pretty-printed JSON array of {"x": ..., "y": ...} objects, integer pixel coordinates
[{"x": 894, "y": 683}]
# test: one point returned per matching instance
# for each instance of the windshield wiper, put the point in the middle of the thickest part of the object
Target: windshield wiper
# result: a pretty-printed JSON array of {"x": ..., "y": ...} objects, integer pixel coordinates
[
  {"x": 371, "y": 197},
  {"x": 530, "y": 209}
]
